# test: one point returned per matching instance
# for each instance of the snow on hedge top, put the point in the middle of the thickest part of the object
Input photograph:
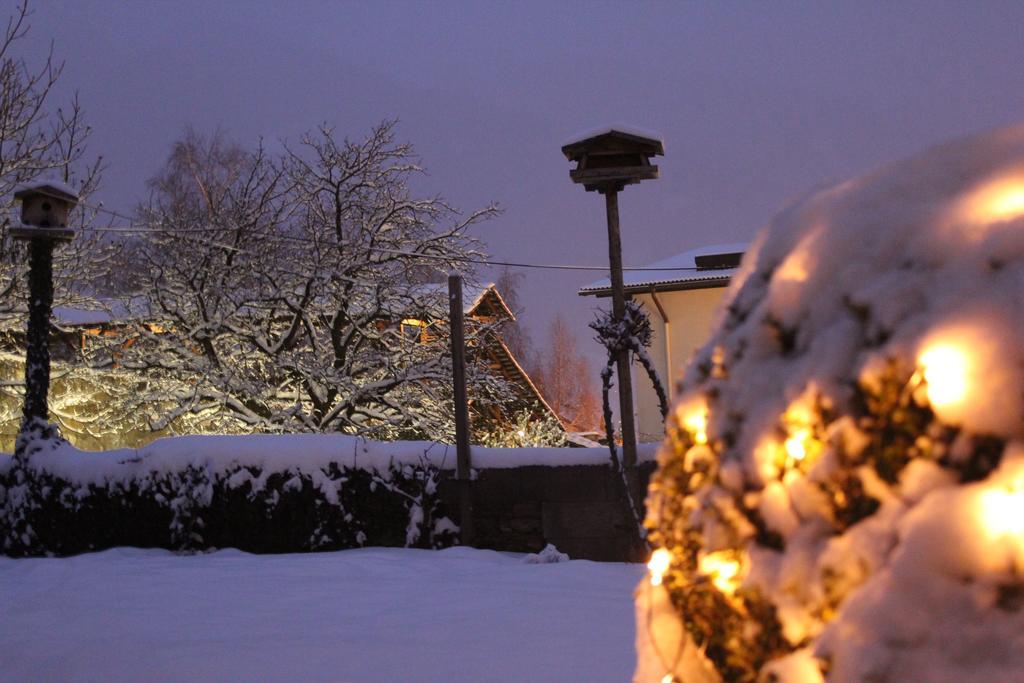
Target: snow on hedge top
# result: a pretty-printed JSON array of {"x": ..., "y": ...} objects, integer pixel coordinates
[
  {"x": 921, "y": 262},
  {"x": 292, "y": 452}
]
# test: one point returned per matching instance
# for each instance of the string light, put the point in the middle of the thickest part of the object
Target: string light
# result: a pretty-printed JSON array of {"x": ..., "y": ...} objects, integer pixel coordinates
[
  {"x": 1001, "y": 511},
  {"x": 697, "y": 424},
  {"x": 997, "y": 200},
  {"x": 723, "y": 569},
  {"x": 693, "y": 415},
  {"x": 799, "y": 446},
  {"x": 796, "y": 444},
  {"x": 945, "y": 368},
  {"x": 659, "y": 563}
]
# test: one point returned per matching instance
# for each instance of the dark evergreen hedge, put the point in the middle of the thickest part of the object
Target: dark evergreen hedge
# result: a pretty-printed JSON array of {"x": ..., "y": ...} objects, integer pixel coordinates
[{"x": 198, "y": 508}]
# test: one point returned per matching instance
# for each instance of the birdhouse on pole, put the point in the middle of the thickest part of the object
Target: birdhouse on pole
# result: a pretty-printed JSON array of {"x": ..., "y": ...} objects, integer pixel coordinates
[
  {"x": 45, "y": 208},
  {"x": 609, "y": 159}
]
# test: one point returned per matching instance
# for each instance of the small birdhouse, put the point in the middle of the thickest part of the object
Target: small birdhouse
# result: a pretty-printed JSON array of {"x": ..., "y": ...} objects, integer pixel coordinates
[
  {"x": 612, "y": 158},
  {"x": 45, "y": 207}
]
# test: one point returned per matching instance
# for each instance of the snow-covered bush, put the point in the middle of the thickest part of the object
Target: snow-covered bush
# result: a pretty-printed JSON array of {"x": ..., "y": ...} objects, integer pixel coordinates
[
  {"x": 841, "y": 493},
  {"x": 196, "y": 493},
  {"x": 526, "y": 429}
]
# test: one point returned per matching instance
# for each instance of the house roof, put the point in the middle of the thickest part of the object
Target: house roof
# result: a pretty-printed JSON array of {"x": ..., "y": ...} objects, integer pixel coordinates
[
  {"x": 681, "y": 271},
  {"x": 511, "y": 366},
  {"x": 107, "y": 310},
  {"x": 473, "y": 297}
]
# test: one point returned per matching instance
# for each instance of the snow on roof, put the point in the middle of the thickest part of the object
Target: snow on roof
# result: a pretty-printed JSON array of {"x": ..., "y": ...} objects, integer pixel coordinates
[
  {"x": 620, "y": 127},
  {"x": 46, "y": 182},
  {"x": 472, "y": 295},
  {"x": 66, "y": 315},
  {"x": 107, "y": 311},
  {"x": 675, "y": 272}
]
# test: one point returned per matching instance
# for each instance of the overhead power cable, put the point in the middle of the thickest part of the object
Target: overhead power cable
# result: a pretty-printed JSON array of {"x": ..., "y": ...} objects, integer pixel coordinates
[{"x": 147, "y": 228}]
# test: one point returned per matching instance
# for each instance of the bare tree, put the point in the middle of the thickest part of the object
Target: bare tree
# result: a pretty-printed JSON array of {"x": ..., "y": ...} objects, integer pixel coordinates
[
  {"x": 300, "y": 293},
  {"x": 513, "y": 332},
  {"x": 565, "y": 379},
  {"x": 40, "y": 141},
  {"x": 37, "y": 142}
]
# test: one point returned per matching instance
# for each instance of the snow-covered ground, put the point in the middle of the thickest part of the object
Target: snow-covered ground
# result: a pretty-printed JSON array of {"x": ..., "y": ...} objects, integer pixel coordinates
[{"x": 374, "y": 614}]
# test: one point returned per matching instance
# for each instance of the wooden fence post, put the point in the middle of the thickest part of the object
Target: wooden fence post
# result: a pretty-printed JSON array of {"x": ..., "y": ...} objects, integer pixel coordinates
[{"x": 463, "y": 463}]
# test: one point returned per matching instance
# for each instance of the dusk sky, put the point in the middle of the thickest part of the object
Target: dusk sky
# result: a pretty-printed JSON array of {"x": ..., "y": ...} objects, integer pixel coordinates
[{"x": 756, "y": 102}]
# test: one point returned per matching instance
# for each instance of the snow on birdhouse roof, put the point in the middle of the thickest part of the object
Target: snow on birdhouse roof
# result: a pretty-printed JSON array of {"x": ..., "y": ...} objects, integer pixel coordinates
[
  {"x": 681, "y": 271},
  {"x": 47, "y": 186},
  {"x": 626, "y": 129}
]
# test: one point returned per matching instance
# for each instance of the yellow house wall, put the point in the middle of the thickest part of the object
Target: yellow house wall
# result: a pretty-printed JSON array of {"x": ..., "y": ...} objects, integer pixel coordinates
[{"x": 691, "y": 314}]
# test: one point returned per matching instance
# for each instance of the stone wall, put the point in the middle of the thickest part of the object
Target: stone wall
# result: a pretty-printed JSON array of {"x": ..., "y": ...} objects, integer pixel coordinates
[{"x": 578, "y": 508}]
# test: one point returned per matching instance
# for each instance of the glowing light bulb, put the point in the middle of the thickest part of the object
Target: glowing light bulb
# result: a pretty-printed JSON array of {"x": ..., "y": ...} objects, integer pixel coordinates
[
  {"x": 1009, "y": 203},
  {"x": 998, "y": 200},
  {"x": 659, "y": 563},
  {"x": 945, "y": 374},
  {"x": 795, "y": 268},
  {"x": 1001, "y": 512},
  {"x": 668, "y": 678},
  {"x": 697, "y": 424},
  {"x": 796, "y": 444},
  {"x": 723, "y": 569}
]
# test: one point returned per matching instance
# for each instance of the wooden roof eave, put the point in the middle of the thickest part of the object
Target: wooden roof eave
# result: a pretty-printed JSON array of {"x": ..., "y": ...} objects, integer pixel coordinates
[
  {"x": 645, "y": 288},
  {"x": 491, "y": 289},
  {"x": 529, "y": 382}
]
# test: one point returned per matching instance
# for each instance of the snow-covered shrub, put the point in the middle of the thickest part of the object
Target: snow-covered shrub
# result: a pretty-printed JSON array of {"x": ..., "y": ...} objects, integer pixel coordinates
[
  {"x": 841, "y": 493},
  {"x": 69, "y": 501},
  {"x": 525, "y": 430}
]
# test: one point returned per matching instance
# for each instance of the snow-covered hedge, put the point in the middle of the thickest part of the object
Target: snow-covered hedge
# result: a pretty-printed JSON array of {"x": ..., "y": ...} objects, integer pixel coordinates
[
  {"x": 841, "y": 495},
  {"x": 258, "y": 493},
  {"x": 264, "y": 493}
]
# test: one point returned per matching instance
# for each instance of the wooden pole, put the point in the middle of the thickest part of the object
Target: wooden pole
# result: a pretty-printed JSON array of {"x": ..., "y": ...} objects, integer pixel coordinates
[
  {"x": 611, "y": 198},
  {"x": 463, "y": 463},
  {"x": 35, "y": 411}
]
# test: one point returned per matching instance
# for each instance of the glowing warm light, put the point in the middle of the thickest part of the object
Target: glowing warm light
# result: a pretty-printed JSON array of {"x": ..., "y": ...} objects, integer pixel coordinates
[
  {"x": 669, "y": 678},
  {"x": 945, "y": 369},
  {"x": 1001, "y": 512},
  {"x": 658, "y": 565},
  {"x": 796, "y": 444},
  {"x": 800, "y": 445},
  {"x": 723, "y": 570},
  {"x": 1008, "y": 204},
  {"x": 796, "y": 267},
  {"x": 998, "y": 200},
  {"x": 697, "y": 424},
  {"x": 718, "y": 363}
]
